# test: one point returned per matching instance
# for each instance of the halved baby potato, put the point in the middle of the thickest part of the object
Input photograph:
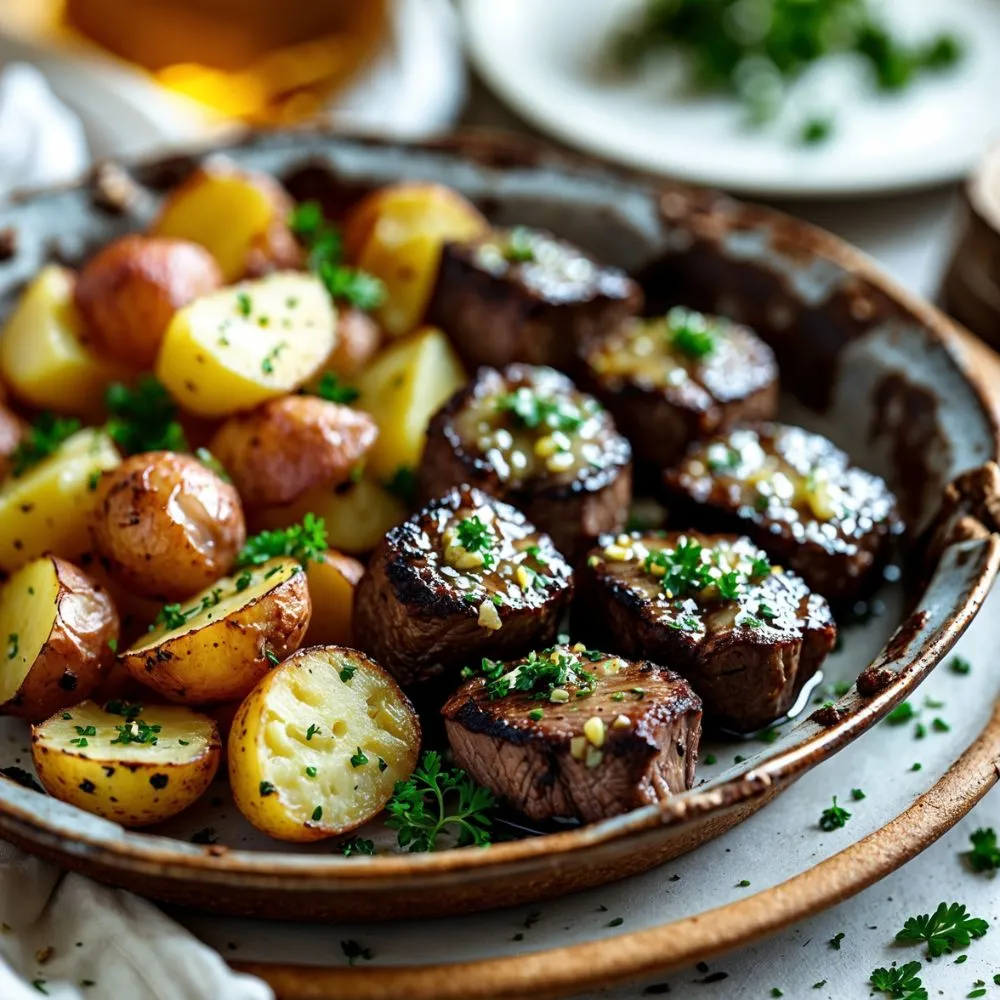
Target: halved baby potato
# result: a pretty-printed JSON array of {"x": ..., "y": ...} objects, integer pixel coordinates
[
  {"x": 57, "y": 629},
  {"x": 220, "y": 643},
  {"x": 332, "y": 579},
  {"x": 239, "y": 216},
  {"x": 238, "y": 347},
  {"x": 135, "y": 764},
  {"x": 48, "y": 508},
  {"x": 42, "y": 351},
  {"x": 320, "y": 743}
]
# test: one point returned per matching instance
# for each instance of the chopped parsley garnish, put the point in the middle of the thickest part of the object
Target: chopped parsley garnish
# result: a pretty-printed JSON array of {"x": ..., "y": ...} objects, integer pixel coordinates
[
  {"x": 333, "y": 390},
  {"x": 312, "y": 731},
  {"x": 902, "y": 983},
  {"x": 243, "y": 581},
  {"x": 326, "y": 253},
  {"x": 137, "y": 731},
  {"x": 272, "y": 657},
  {"x": 353, "y": 951},
  {"x": 947, "y": 929},
  {"x": 403, "y": 484},
  {"x": 901, "y": 714},
  {"x": 41, "y": 440},
  {"x": 266, "y": 788},
  {"x": 477, "y": 537},
  {"x": 815, "y": 130},
  {"x": 959, "y": 665},
  {"x": 691, "y": 333},
  {"x": 143, "y": 418},
  {"x": 536, "y": 715},
  {"x": 86, "y": 730},
  {"x": 310, "y": 772},
  {"x": 359, "y": 759},
  {"x": 834, "y": 942},
  {"x": 212, "y": 463},
  {"x": 317, "y": 814},
  {"x": 173, "y": 616},
  {"x": 539, "y": 672},
  {"x": 126, "y": 709},
  {"x": 243, "y": 304},
  {"x": 834, "y": 817},
  {"x": 433, "y": 800},
  {"x": 304, "y": 542},
  {"x": 347, "y": 672},
  {"x": 356, "y": 845},
  {"x": 518, "y": 249},
  {"x": 533, "y": 411},
  {"x": 267, "y": 364},
  {"x": 985, "y": 853},
  {"x": 857, "y": 794}
]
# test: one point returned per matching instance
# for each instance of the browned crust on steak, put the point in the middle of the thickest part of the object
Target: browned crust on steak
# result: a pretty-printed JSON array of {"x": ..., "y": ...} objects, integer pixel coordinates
[
  {"x": 526, "y": 311},
  {"x": 530, "y": 762},
  {"x": 411, "y": 614},
  {"x": 840, "y": 557},
  {"x": 573, "y": 509},
  {"x": 737, "y": 382},
  {"x": 748, "y": 675}
]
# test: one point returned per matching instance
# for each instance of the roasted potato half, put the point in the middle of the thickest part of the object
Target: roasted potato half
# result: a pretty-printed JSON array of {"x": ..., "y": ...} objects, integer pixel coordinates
[
  {"x": 320, "y": 743},
  {"x": 57, "y": 630},
  {"x": 357, "y": 514},
  {"x": 287, "y": 446},
  {"x": 332, "y": 579},
  {"x": 397, "y": 233},
  {"x": 240, "y": 217},
  {"x": 42, "y": 353},
  {"x": 166, "y": 525},
  {"x": 402, "y": 389},
  {"x": 48, "y": 508},
  {"x": 220, "y": 643},
  {"x": 241, "y": 346},
  {"x": 137, "y": 765},
  {"x": 128, "y": 293}
]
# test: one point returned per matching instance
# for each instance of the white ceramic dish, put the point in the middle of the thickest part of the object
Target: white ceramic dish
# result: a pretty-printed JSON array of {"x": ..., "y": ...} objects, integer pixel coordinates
[{"x": 543, "y": 59}]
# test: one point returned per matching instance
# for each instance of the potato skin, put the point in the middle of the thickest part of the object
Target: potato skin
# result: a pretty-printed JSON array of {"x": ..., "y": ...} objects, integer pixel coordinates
[
  {"x": 12, "y": 429},
  {"x": 77, "y": 652},
  {"x": 166, "y": 525},
  {"x": 129, "y": 291},
  {"x": 287, "y": 446},
  {"x": 222, "y": 660},
  {"x": 332, "y": 581},
  {"x": 359, "y": 338}
]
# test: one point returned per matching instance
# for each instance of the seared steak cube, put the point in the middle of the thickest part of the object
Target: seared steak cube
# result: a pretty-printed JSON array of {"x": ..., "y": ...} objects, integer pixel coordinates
[
  {"x": 530, "y": 437},
  {"x": 467, "y": 576},
  {"x": 673, "y": 380},
  {"x": 798, "y": 497},
  {"x": 571, "y": 732},
  {"x": 523, "y": 295},
  {"x": 746, "y": 634}
]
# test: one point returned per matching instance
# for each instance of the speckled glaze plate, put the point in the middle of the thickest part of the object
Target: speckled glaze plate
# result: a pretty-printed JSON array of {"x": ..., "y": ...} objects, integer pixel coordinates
[{"x": 887, "y": 377}]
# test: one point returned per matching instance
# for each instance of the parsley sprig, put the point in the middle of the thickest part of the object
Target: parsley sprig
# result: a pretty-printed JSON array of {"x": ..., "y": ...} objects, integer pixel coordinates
[
  {"x": 946, "y": 929},
  {"x": 539, "y": 672},
  {"x": 434, "y": 800},
  {"x": 143, "y": 418},
  {"x": 532, "y": 410},
  {"x": 326, "y": 258},
  {"x": 42, "y": 438},
  {"x": 902, "y": 983},
  {"x": 305, "y": 542},
  {"x": 333, "y": 390},
  {"x": 834, "y": 817},
  {"x": 477, "y": 537},
  {"x": 985, "y": 853}
]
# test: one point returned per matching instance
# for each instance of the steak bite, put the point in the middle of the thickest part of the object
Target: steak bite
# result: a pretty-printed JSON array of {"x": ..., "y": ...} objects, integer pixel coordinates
[
  {"x": 574, "y": 733},
  {"x": 467, "y": 576},
  {"x": 523, "y": 295},
  {"x": 797, "y": 496},
  {"x": 530, "y": 437},
  {"x": 672, "y": 380},
  {"x": 746, "y": 634}
]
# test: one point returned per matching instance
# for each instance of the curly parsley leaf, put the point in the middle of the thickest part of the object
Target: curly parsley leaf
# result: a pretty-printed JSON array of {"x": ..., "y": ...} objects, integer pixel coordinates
[
  {"x": 834, "y": 818},
  {"x": 433, "y": 800},
  {"x": 947, "y": 929},
  {"x": 985, "y": 853},
  {"x": 42, "y": 439},
  {"x": 333, "y": 390},
  {"x": 305, "y": 542},
  {"x": 901, "y": 983},
  {"x": 143, "y": 418}
]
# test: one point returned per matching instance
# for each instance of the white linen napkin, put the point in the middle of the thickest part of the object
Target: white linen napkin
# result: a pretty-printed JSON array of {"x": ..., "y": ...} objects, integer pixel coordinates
[{"x": 69, "y": 938}]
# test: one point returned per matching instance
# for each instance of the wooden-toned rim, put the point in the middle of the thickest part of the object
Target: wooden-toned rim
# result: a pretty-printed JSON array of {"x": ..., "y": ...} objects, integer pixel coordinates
[{"x": 560, "y": 972}]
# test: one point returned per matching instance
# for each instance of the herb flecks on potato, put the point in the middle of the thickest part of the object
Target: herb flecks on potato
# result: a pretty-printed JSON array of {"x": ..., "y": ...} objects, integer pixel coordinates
[{"x": 134, "y": 764}]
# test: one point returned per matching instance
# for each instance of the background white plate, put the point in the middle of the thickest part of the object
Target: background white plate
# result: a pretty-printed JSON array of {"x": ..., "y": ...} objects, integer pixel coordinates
[{"x": 544, "y": 59}]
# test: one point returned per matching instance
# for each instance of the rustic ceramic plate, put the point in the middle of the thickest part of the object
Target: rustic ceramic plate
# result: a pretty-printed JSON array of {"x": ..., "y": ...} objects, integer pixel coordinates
[{"x": 887, "y": 377}]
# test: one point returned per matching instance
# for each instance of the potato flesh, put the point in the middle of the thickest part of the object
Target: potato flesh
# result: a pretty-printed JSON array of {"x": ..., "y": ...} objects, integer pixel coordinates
[
  {"x": 402, "y": 390},
  {"x": 27, "y": 614},
  {"x": 43, "y": 357},
  {"x": 248, "y": 343},
  {"x": 363, "y": 711},
  {"x": 263, "y": 579},
  {"x": 332, "y": 580},
  {"x": 48, "y": 509}
]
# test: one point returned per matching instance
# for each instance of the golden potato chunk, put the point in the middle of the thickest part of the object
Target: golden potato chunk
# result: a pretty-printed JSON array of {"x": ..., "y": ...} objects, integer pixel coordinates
[
  {"x": 42, "y": 352},
  {"x": 332, "y": 580},
  {"x": 397, "y": 233},
  {"x": 131, "y": 763},
  {"x": 57, "y": 630},
  {"x": 166, "y": 525},
  {"x": 48, "y": 507},
  {"x": 217, "y": 646},
  {"x": 287, "y": 446},
  {"x": 319, "y": 744},
  {"x": 239, "y": 216},
  {"x": 128, "y": 293},
  {"x": 241, "y": 346}
]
